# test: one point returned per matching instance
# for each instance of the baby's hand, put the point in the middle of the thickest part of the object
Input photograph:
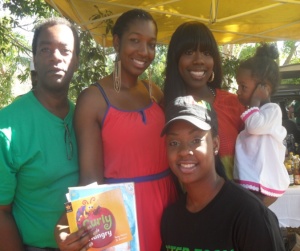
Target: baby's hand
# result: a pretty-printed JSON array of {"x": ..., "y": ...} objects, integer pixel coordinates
[{"x": 260, "y": 96}]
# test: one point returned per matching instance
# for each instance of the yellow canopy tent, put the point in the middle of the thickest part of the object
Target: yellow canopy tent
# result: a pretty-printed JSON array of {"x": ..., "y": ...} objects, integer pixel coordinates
[{"x": 231, "y": 21}]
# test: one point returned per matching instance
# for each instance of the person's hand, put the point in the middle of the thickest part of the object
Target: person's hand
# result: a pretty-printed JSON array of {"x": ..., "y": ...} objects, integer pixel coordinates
[
  {"x": 77, "y": 241},
  {"x": 260, "y": 96}
]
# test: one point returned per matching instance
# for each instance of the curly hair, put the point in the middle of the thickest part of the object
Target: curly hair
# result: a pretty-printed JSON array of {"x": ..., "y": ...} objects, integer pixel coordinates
[{"x": 263, "y": 66}]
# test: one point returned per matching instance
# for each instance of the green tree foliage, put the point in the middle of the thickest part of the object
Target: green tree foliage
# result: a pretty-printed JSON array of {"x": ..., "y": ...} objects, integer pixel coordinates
[
  {"x": 290, "y": 51},
  {"x": 13, "y": 55},
  {"x": 27, "y": 8},
  {"x": 92, "y": 65},
  {"x": 15, "y": 52},
  {"x": 229, "y": 65},
  {"x": 92, "y": 57},
  {"x": 156, "y": 72}
]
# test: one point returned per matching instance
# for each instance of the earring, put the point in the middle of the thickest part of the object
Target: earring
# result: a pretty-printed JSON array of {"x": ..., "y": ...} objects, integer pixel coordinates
[
  {"x": 216, "y": 151},
  {"x": 150, "y": 81},
  {"x": 117, "y": 74},
  {"x": 212, "y": 77}
]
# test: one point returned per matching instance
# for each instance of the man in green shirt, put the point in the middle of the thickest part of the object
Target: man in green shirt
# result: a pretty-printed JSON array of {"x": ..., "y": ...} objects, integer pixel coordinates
[{"x": 38, "y": 151}]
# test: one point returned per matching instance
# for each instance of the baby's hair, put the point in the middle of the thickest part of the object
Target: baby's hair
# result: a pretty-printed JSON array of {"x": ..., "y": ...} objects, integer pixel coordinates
[{"x": 263, "y": 66}]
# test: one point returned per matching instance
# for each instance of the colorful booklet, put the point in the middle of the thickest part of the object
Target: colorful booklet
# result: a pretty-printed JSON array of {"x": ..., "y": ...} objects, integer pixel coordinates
[{"x": 110, "y": 209}]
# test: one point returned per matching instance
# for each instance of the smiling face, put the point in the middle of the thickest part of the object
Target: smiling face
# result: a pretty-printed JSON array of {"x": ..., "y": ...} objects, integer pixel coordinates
[
  {"x": 55, "y": 60},
  {"x": 195, "y": 68},
  {"x": 190, "y": 151},
  {"x": 246, "y": 85},
  {"x": 136, "y": 48}
]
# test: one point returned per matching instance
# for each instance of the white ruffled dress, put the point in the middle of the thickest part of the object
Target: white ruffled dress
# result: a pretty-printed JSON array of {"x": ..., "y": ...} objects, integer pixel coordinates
[{"x": 259, "y": 151}]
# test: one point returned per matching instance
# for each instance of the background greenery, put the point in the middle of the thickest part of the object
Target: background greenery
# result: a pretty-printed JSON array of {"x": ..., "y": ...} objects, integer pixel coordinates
[{"x": 95, "y": 61}]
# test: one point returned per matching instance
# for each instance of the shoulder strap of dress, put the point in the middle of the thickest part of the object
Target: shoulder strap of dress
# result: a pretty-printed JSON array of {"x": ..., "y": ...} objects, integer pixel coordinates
[
  {"x": 148, "y": 87},
  {"x": 146, "y": 84},
  {"x": 100, "y": 88}
]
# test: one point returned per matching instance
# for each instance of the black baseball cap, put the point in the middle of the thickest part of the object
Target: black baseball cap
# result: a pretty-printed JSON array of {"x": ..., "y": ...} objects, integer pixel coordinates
[{"x": 199, "y": 113}]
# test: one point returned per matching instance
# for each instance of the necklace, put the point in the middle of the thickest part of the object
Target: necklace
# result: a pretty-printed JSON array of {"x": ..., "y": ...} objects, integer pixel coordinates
[{"x": 212, "y": 91}]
